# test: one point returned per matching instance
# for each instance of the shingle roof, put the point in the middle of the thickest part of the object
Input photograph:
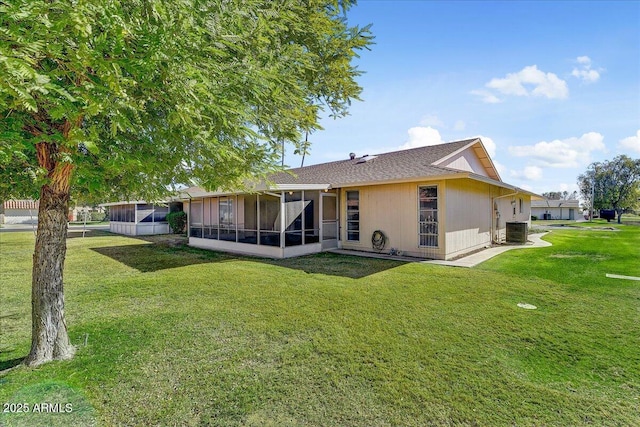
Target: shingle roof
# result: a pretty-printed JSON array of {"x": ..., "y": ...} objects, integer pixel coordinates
[
  {"x": 397, "y": 165},
  {"x": 547, "y": 203},
  {"x": 21, "y": 204}
]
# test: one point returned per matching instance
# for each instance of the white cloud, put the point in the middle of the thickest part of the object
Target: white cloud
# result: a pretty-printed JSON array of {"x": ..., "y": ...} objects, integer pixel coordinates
[
  {"x": 487, "y": 97},
  {"x": 431, "y": 120},
  {"x": 530, "y": 173},
  {"x": 562, "y": 153},
  {"x": 568, "y": 187},
  {"x": 585, "y": 73},
  {"x": 500, "y": 167},
  {"x": 488, "y": 143},
  {"x": 530, "y": 81},
  {"x": 420, "y": 136},
  {"x": 631, "y": 143},
  {"x": 544, "y": 84},
  {"x": 587, "y": 76},
  {"x": 459, "y": 125}
]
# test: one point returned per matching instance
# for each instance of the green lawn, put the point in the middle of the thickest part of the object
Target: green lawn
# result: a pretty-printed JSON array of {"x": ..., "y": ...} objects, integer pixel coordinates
[
  {"x": 170, "y": 335},
  {"x": 627, "y": 219}
]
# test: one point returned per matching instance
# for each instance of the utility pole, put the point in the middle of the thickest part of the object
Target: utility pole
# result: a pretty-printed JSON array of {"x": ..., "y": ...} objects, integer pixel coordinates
[
  {"x": 282, "y": 144},
  {"x": 593, "y": 199},
  {"x": 304, "y": 151}
]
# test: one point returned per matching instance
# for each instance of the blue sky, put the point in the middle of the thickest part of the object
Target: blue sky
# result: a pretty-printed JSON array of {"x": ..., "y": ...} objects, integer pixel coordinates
[{"x": 549, "y": 86}]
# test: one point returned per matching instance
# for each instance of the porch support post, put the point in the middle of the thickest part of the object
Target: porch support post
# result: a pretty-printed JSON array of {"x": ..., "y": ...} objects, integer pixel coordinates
[
  {"x": 235, "y": 214},
  {"x": 303, "y": 215},
  {"x": 135, "y": 219},
  {"x": 282, "y": 219},
  {"x": 258, "y": 218},
  {"x": 189, "y": 218},
  {"x": 321, "y": 215}
]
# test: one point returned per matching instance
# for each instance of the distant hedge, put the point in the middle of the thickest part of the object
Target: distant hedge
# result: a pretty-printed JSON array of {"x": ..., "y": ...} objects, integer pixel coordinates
[{"x": 177, "y": 221}]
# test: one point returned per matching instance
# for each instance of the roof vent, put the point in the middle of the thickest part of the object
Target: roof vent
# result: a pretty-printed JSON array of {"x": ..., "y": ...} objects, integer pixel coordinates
[
  {"x": 352, "y": 156},
  {"x": 365, "y": 158}
]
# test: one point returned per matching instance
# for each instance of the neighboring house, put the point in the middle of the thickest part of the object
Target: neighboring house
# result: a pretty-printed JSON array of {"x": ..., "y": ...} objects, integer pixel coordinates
[
  {"x": 19, "y": 212},
  {"x": 435, "y": 202},
  {"x": 137, "y": 218},
  {"x": 78, "y": 213},
  {"x": 555, "y": 209}
]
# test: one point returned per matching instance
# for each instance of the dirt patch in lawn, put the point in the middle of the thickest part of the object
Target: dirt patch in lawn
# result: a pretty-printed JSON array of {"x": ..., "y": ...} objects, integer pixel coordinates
[
  {"x": 171, "y": 240},
  {"x": 595, "y": 257}
]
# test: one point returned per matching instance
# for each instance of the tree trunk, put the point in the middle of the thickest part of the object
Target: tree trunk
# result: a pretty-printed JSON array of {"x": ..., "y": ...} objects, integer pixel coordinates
[{"x": 49, "y": 338}]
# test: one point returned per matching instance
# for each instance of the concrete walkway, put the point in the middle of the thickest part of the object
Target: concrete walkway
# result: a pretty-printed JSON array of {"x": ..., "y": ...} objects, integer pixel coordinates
[
  {"x": 476, "y": 258},
  {"x": 7, "y": 228},
  {"x": 468, "y": 261}
]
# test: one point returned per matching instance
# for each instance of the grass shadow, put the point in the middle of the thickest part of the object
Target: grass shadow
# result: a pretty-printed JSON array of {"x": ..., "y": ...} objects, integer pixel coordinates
[
  {"x": 162, "y": 252},
  {"x": 75, "y": 233},
  {"x": 351, "y": 266},
  {"x": 152, "y": 257},
  {"x": 6, "y": 365}
]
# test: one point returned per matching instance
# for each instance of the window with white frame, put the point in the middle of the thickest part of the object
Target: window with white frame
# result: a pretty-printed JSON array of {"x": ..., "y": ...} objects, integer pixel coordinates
[
  {"x": 353, "y": 216},
  {"x": 428, "y": 215},
  {"x": 226, "y": 213}
]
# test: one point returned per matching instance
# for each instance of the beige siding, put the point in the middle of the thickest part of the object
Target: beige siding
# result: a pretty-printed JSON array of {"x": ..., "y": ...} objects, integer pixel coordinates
[
  {"x": 393, "y": 209},
  {"x": 467, "y": 219},
  {"x": 467, "y": 161},
  {"x": 468, "y": 224}
]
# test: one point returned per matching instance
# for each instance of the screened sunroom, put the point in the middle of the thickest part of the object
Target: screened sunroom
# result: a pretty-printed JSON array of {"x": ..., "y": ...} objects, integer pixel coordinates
[
  {"x": 279, "y": 224},
  {"x": 138, "y": 218}
]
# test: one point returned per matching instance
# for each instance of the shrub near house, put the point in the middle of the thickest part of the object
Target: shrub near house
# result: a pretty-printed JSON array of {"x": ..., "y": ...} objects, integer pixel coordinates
[{"x": 177, "y": 221}]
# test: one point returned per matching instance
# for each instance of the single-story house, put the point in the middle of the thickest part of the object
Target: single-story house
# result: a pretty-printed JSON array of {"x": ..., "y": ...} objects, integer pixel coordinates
[
  {"x": 137, "y": 218},
  {"x": 19, "y": 212},
  {"x": 435, "y": 202},
  {"x": 555, "y": 209},
  {"x": 77, "y": 213}
]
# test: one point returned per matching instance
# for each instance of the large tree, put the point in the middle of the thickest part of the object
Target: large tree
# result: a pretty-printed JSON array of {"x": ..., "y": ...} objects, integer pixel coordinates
[
  {"x": 121, "y": 99},
  {"x": 612, "y": 184}
]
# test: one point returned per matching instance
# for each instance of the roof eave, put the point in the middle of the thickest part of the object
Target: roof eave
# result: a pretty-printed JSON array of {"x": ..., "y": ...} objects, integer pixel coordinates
[
  {"x": 454, "y": 175},
  {"x": 128, "y": 202},
  {"x": 503, "y": 184},
  {"x": 257, "y": 189},
  {"x": 486, "y": 157}
]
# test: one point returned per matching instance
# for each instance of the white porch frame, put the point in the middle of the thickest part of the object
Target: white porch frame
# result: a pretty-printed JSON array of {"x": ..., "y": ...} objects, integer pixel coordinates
[{"x": 258, "y": 248}]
